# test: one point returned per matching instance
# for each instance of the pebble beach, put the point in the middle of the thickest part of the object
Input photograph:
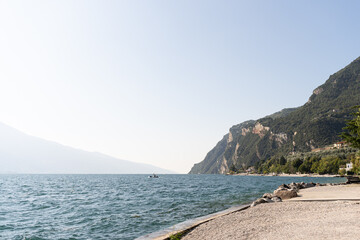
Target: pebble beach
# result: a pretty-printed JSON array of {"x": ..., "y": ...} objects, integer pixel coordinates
[
  {"x": 286, "y": 220},
  {"x": 323, "y": 212}
]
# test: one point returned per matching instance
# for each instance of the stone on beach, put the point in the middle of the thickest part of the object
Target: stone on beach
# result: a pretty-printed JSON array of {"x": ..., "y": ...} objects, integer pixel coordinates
[
  {"x": 267, "y": 195},
  {"x": 276, "y": 199},
  {"x": 285, "y": 193},
  {"x": 258, "y": 201},
  {"x": 284, "y": 186},
  {"x": 295, "y": 186},
  {"x": 308, "y": 185}
]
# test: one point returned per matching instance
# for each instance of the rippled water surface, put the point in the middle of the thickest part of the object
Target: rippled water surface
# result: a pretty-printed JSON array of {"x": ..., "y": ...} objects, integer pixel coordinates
[{"x": 119, "y": 206}]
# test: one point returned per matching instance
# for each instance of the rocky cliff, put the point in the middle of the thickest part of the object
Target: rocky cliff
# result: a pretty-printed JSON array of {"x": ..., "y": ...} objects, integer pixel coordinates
[{"x": 317, "y": 123}]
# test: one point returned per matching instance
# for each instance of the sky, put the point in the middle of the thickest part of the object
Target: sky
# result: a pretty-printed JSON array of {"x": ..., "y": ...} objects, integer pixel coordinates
[{"x": 161, "y": 82}]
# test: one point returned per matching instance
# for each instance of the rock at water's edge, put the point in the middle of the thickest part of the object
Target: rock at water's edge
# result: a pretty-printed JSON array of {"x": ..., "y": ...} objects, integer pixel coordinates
[{"x": 285, "y": 193}]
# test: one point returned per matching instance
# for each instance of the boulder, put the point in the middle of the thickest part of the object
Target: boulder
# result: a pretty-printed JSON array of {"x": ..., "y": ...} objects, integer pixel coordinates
[
  {"x": 301, "y": 185},
  {"x": 285, "y": 193},
  {"x": 308, "y": 185},
  {"x": 267, "y": 195},
  {"x": 284, "y": 186},
  {"x": 260, "y": 201},
  {"x": 294, "y": 186},
  {"x": 276, "y": 199},
  {"x": 267, "y": 200},
  {"x": 257, "y": 202}
]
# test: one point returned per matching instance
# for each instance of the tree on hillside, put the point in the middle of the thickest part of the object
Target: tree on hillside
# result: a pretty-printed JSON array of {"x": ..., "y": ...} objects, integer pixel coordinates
[
  {"x": 233, "y": 168},
  {"x": 352, "y": 130},
  {"x": 282, "y": 160},
  {"x": 297, "y": 163}
]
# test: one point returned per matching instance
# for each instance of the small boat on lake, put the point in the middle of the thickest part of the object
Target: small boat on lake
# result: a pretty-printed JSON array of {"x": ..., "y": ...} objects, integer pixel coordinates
[{"x": 154, "y": 176}]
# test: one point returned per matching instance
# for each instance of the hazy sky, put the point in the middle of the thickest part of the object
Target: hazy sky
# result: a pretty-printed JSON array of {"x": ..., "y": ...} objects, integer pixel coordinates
[{"x": 161, "y": 82}]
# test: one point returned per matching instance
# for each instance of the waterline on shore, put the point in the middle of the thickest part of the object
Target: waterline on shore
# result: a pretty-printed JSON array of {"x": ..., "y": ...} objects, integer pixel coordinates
[
  {"x": 190, "y": 224},
  {"x": 187, "y": 226},
  {"x": 324, "y": 217},
  {"x": 286, "y": 175}
]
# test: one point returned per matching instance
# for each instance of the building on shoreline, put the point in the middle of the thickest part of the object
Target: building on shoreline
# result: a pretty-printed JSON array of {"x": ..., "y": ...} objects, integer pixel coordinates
[{"x": 349, "y": 166}]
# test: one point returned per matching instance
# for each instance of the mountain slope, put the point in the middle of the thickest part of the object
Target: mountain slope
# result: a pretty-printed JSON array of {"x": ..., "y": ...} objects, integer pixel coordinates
[
  {"x": 315, "y": 124},
  {"x": 21, "y": 153}
]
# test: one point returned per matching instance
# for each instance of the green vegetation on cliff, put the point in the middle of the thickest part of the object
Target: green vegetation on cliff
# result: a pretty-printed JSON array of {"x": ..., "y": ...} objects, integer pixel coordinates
[
  {"x": 317, "y": 123},
  {"x": 352, "y": 130},
  {"x": 324, "y": 162}
]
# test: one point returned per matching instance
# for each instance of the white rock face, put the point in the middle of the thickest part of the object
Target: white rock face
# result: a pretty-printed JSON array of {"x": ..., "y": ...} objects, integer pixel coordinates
[
  {"x": 318, "y": 91},
  {"x": 224, "y": 167},
  {"x": 260, "y": 130},
  {"x": 310, "y": 144},
  {"x": 230, "y": 139},
  {"x": 237, "y": 148},
  {"x": 281, "y": 137},
  {"x": 245, "y": 131}
]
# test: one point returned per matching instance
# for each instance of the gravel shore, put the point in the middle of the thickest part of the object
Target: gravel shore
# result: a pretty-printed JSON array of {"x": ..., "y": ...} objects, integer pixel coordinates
[
  {"x": 328, "y": 212},
  {"x": 286, "y": 220}
]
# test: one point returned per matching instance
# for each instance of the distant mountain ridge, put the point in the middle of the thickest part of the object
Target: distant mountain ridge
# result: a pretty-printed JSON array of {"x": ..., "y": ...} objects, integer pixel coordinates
[
  {"x": 22, "y": 153},
  {"x": 315, "y": 124}
]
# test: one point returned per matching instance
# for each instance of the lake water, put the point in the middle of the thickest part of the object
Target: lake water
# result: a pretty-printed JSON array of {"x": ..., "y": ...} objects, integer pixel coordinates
[{"x": 119, "y": 206}]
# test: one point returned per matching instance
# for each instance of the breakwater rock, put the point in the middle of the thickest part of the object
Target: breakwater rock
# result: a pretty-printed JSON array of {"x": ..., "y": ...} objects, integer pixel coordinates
[{"x": 287, "y": 191}]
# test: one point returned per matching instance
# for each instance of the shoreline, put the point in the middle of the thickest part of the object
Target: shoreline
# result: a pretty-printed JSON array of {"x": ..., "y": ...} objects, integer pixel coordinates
[
  {"x": 189, "y": 225},
  {"x": 285, "y": 220},
  {"x": 285, "y": 175},
  {"x": 186, "y": 227},
  {"x": 324, "y": 211}
]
